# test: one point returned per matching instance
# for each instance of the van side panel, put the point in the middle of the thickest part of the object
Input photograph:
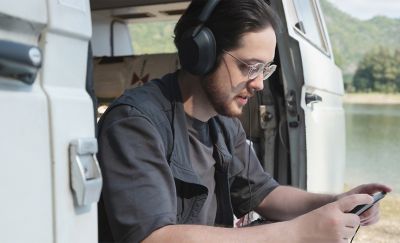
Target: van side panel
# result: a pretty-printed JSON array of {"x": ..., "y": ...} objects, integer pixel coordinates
[
  {"x": 325, "y": 120},
  {"x": 71, "y": 117},
  {"x": 25, "y": 174},
  {"x": 65, "y": 48},
  {"x": 28, "y": 10}
]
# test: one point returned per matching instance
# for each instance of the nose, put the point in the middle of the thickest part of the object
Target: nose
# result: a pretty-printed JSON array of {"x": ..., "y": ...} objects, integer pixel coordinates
[{"x": 256, "y": 84}]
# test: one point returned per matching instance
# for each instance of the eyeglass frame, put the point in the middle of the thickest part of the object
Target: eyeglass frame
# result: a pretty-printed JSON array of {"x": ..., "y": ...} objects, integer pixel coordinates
[{"x": 269, "y": 67}]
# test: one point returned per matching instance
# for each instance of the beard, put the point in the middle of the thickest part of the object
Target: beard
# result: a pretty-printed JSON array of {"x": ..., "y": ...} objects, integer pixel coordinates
[{"x": 219, "y": 97}]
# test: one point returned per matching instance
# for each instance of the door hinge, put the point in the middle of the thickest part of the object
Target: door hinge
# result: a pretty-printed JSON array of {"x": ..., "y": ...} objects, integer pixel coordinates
[
  {"x": 86, "y": 179},
  {"x": 291, "y": 104}
]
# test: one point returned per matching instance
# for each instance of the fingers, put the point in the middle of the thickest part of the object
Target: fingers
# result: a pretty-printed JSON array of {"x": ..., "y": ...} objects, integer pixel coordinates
[
  {"x": 349, "y": 202},
  {"x": 351, "y": 220},
  {"x": 349, "y": 232},
  {"x": 371, "y": 221},
  {"x": 371, "y": 188},
  {"x": 381, "y": 187},
  {"x": 371, "y": 216},
  {"x": 370, "y": 212},
  {"x": 352, "y": 224}
]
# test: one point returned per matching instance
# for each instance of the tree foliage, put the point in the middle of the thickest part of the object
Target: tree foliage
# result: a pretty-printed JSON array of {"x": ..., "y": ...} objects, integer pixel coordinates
[
  {"x": 379, "y": 70},
  {"x": 352, "y": 38},
  {"x": 153, "y": 37}
]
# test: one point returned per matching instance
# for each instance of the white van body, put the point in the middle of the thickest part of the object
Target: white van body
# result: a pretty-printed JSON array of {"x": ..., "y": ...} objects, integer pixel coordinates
[
  {"x": 324, "y": 117},
  {"x": 49, "y": 179}
]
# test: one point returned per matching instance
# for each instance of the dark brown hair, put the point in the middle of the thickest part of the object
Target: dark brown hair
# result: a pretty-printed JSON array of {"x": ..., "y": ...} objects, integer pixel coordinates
[{"x": 229, "y": 21}]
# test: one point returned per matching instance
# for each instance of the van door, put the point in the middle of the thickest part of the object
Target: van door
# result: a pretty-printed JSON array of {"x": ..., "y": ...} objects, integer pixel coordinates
[
  {"x": 72, "y": 121},
  {"x": 25, "y": 174},
  {"x": 312, "y": 68},
  {"x": 48, "y": 179}
]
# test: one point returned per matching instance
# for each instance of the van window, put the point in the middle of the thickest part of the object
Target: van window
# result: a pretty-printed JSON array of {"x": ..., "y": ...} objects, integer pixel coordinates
[
  {"x": 309, "y": 22},
  {"x": 153, "y": 37}
]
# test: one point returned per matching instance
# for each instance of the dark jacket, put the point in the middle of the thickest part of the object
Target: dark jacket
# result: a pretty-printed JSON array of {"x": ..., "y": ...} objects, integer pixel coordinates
[{"x": 149, "y": 181}]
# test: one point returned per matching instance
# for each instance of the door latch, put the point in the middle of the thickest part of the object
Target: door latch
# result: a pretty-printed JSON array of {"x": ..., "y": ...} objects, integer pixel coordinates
[
  {"x": 86, "y": 179},
  {"x": 312, "y": 98}
]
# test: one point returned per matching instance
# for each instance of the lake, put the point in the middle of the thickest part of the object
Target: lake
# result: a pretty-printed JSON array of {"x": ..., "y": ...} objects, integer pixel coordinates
[{"x": 373, "y": 144}]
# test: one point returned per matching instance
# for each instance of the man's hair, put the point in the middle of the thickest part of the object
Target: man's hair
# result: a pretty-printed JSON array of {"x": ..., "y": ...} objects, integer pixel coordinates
[{"x": 229, "y": 21}]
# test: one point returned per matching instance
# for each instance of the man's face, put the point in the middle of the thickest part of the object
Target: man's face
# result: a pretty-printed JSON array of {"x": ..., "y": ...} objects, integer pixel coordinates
[{"x": 229, "y": 87}]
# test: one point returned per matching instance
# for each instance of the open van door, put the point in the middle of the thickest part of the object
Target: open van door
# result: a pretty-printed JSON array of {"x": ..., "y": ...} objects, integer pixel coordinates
[
  {"x": 313, "y": 87},
  {"x": 25, "y": 174},
  {"x": 49, "y": 182}
]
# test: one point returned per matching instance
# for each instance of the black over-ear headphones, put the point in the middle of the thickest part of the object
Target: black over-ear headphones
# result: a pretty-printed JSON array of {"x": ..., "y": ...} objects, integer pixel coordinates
[{"x": 197, "y": 47}]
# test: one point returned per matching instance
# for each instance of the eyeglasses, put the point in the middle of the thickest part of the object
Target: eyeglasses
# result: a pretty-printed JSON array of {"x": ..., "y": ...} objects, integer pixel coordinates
[{"x": 267, "y": 69}]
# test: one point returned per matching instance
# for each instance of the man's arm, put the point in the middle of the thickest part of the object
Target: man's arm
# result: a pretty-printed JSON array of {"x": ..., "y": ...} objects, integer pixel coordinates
[
  {"x": 201, "y": 233},
  {"x": 285, "y": 203},
  {"x": 328, "y": 223}
]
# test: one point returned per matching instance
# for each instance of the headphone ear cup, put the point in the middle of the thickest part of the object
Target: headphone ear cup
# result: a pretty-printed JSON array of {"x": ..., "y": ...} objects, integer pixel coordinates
[{"x": 197, "y": 52}]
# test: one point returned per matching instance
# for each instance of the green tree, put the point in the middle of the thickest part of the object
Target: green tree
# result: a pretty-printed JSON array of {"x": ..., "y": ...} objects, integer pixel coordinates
[
  {"x": 153, "y": 37},
  {"x": 397, "y": 65},
  {"x": 352, "y": 38},
  {"x": 378, "y": 70}
]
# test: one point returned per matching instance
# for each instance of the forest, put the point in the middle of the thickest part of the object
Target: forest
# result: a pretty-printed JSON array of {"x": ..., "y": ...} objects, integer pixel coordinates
[{"x": 368, "y": 52}]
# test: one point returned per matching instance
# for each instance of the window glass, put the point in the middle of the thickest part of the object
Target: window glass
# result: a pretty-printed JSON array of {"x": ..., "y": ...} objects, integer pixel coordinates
[
  {"x": 309, "y": 22},
  {"x": 152, "y": 37}
]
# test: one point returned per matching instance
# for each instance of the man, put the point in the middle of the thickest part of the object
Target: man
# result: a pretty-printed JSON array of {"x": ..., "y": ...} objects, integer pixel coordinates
[{"x": 174, "y": 158}]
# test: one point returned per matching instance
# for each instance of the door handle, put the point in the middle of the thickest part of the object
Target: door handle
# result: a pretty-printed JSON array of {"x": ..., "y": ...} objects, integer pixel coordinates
[
  {"x": 19, "y": 61},
  {"x": 312, "y": 98}
]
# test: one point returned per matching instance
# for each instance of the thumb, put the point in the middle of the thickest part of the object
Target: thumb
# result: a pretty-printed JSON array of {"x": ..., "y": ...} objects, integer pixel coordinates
[{"x": 349, "y": 202}]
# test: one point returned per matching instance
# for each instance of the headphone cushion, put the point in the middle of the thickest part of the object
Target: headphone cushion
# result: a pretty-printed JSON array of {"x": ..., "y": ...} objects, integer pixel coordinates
[{"x": 197, "y": 54}]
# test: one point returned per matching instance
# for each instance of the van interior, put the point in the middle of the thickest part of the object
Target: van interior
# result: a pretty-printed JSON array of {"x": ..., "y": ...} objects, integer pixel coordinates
[{"x": 120, "y": 61}]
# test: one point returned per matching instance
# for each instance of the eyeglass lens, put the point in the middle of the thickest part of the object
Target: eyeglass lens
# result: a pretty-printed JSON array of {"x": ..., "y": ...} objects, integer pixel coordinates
[{"x": 261, "y": 68}]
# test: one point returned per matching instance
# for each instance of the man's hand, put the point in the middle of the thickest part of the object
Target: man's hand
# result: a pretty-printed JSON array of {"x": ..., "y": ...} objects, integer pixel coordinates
[
  {"x": 370, "y": 216},
  {"x": 327, "y": 224},
  {"x": 330, "y": 223}
]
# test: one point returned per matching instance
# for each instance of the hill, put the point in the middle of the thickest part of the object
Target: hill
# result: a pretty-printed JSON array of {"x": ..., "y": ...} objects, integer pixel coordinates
[{"x": 351, "y": 37}]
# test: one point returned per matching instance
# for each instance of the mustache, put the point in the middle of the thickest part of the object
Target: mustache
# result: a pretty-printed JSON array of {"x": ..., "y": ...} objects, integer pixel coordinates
[{"x": 247, "y": 93}]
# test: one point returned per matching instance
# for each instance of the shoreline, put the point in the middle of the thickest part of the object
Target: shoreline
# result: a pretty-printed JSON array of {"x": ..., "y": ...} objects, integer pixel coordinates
[{"x": 371, "y": 98}]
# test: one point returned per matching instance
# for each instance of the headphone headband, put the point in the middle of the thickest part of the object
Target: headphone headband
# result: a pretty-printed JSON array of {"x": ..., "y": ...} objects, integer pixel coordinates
[{"x": 207, "y": 10}]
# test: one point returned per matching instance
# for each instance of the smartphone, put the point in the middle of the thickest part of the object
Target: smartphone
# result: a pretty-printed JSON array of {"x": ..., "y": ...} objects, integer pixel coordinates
[{"x": 362, "y": 208}]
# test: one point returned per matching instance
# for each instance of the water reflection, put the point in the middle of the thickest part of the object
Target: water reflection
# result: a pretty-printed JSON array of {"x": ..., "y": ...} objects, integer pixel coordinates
[{"x": 373, "y": 139}]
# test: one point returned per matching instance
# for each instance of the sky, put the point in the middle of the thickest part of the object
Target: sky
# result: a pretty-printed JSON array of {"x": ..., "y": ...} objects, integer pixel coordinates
[{"x": 366, "y": 9}]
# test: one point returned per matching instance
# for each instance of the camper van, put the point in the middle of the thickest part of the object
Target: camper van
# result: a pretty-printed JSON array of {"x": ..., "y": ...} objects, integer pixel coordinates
[{"x": 63, "y": 61}]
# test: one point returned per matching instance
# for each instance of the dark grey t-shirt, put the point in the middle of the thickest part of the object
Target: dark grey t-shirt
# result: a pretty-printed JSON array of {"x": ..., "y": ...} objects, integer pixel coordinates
[
  {"x": 143, "y": 190},
  {"x": 200, "y": 151}
]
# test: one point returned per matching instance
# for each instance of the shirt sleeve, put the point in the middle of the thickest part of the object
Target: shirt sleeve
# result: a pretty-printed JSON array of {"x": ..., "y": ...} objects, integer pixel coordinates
[
  {"x": 250, "y": 184},
  {"x": 139, "y": 193}
]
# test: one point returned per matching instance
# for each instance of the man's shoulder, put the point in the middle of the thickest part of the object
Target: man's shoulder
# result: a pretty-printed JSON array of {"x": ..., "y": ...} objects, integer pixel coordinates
[
  {"x": 152, "y": 101},
  {"x": 151, "y": 98},
  {"x": 152, "y": 94}
]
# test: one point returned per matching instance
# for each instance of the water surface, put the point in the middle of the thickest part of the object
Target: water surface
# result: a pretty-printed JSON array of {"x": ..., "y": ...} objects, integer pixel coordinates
[{"x": 373, "y": 144}]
